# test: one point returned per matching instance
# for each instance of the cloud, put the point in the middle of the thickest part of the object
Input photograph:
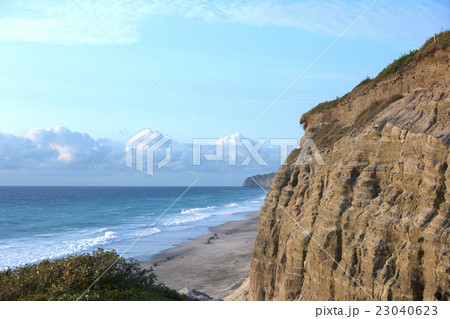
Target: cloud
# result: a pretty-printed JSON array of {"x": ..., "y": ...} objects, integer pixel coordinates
[
  {"x": 65, "y": 151},
  {"x": 17, "y": 152},
  {"x": 386, "y": 19},
  {"x": 62, "y": 22},
  {"x": 58, "y": 148},
  {"x": 236, "y": 156},
  {"x": 61, "y": 156}
]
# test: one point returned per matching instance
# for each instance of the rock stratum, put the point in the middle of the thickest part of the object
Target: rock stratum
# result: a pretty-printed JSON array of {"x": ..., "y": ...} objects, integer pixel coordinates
[
  {"x": 259, "y": 180},
  {"x": 373, "y": 222}
]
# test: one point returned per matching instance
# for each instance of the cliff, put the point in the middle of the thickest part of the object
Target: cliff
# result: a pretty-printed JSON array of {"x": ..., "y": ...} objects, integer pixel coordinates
[
  {"x": 373, "y": 222},
  {"x": 263, "y": 180}
]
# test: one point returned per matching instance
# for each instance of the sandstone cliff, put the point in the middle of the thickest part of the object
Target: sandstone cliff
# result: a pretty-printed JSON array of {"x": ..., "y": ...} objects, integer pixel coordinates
[
  {"x": 263, "y": 180},
  {"x": 373, "y": 222}
]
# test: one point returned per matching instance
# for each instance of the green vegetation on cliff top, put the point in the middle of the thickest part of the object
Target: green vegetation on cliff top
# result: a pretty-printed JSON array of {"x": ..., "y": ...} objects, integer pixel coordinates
[{"x": 402, "y": 63}]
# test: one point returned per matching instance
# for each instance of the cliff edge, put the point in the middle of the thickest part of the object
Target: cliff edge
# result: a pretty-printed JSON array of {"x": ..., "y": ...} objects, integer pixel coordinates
[{"x": 373, "y": 222}]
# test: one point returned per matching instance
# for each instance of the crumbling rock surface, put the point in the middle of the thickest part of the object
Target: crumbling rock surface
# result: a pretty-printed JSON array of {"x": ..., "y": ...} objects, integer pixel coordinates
[{"x": 373, "y": 222}]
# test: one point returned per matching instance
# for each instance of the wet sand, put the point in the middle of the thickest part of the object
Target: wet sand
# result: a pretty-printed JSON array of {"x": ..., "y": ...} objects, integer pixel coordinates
[{"x": 217, "y": 268}]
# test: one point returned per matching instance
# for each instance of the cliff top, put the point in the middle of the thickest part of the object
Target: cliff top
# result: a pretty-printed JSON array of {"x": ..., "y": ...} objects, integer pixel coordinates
[
  {"x": 331, "y": 120},
  {"x": 406, "y": 61},
  {"x": 373, "y": 222}
]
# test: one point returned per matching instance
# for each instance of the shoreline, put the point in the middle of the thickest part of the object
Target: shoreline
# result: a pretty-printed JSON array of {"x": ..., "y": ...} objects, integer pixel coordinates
[{"x": 216, "y": 268}]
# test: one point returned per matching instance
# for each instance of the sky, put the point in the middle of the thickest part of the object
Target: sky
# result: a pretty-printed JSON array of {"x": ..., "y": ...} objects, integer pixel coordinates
[{"x": 79, "y": 78}]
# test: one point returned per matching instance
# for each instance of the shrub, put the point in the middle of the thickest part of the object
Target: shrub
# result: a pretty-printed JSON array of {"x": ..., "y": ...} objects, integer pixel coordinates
[
  {"x": 442, "y": 41},
  {"x": 364, "y": 82},
  {"x": 325, "y": 106},
  {"x": 399, "y": 64},
  {"x": 68, "y": 278},
  {"x": 319, "y": 108},
  {"x": 406, "y": 61}
]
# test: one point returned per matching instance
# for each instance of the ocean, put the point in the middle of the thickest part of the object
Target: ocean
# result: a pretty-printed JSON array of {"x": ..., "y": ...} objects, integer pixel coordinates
[{"x": 39, "y": 223}]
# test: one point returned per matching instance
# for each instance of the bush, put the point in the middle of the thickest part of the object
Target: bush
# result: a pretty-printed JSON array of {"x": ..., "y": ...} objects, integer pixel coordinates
[
  {"x": 364, "y": 82},
  {"x": 405, "y": 62},
  {"x": 68, "y": 278},
  {"x": 399, "y": 64},
  {"x": 325, "y": 106},
  {"x": 319, "y": 108},
  {"x": 442, "y": 41}
]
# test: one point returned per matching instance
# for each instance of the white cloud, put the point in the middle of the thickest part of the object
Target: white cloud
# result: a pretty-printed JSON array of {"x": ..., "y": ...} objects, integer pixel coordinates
[
  {"x": 64, "y": 150},
  {"x": 58, "y": 148},
  {"x": 396, "y": 19},
  {"x": 64, "y": 157},
  {"x": 63, "y": 22}
]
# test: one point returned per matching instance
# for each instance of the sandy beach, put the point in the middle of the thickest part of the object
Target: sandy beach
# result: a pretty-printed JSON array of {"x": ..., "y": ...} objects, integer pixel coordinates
[{"x": 216, "y": 268}]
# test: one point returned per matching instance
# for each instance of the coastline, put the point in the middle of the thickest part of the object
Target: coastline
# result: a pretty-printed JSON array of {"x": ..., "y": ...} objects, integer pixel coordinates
[{"x": 216, "y": 268}]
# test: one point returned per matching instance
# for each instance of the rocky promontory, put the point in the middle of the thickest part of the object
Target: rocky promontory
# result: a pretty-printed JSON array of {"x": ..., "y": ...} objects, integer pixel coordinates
[{"x": 259, "y": 180}]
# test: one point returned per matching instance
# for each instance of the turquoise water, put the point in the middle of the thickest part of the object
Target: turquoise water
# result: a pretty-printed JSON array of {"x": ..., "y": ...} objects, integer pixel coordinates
[{"x": 39, "y": 223}]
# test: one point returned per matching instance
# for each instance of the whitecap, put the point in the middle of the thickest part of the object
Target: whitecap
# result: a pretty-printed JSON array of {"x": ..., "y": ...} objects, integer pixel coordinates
[
  {"x": 196, "y": 210},
  {"x": 185, "y": 220}
]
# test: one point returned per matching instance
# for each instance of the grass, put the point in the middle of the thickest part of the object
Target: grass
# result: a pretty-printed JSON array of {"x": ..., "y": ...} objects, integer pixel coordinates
[
  {"x": 430, "y": 46},
  {"x": 67, "y": 279},
  {"x": 334, "y": 131},
  {"x": 402, "y": 63},
  {"x": 320, "y": 108},
  {"x": 330, "y": 134},
  {"x": 373, "y": 110},
  {"x": 325, "y": 106},
  {"x": 399, "y": 64},
  {"x": 406, "y": 60},
  {"x": 364, "y": 82}
]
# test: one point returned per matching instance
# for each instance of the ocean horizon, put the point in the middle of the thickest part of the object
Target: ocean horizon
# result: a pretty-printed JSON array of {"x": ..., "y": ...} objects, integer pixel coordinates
[{"x": 49, "y": 222}]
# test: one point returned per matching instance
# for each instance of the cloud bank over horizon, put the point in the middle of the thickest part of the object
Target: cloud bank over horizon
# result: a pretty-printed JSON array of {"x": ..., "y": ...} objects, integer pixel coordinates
[
  {"x": 58, "y": 148},
  {"x": 63, "y": 22},
  {"x": 61, "y": 156}
]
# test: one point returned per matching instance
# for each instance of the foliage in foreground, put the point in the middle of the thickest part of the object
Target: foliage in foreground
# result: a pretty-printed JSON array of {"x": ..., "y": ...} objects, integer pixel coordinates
[{"x": 68, "y": 278}]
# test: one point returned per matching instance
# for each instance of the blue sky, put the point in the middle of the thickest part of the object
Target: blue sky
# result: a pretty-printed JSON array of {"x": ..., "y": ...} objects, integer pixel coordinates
[{"x": 225, "y": 62}]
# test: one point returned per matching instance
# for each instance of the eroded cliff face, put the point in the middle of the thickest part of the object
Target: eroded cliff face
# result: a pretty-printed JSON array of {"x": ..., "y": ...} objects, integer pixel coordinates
[{"x": 380, "y": 205}]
